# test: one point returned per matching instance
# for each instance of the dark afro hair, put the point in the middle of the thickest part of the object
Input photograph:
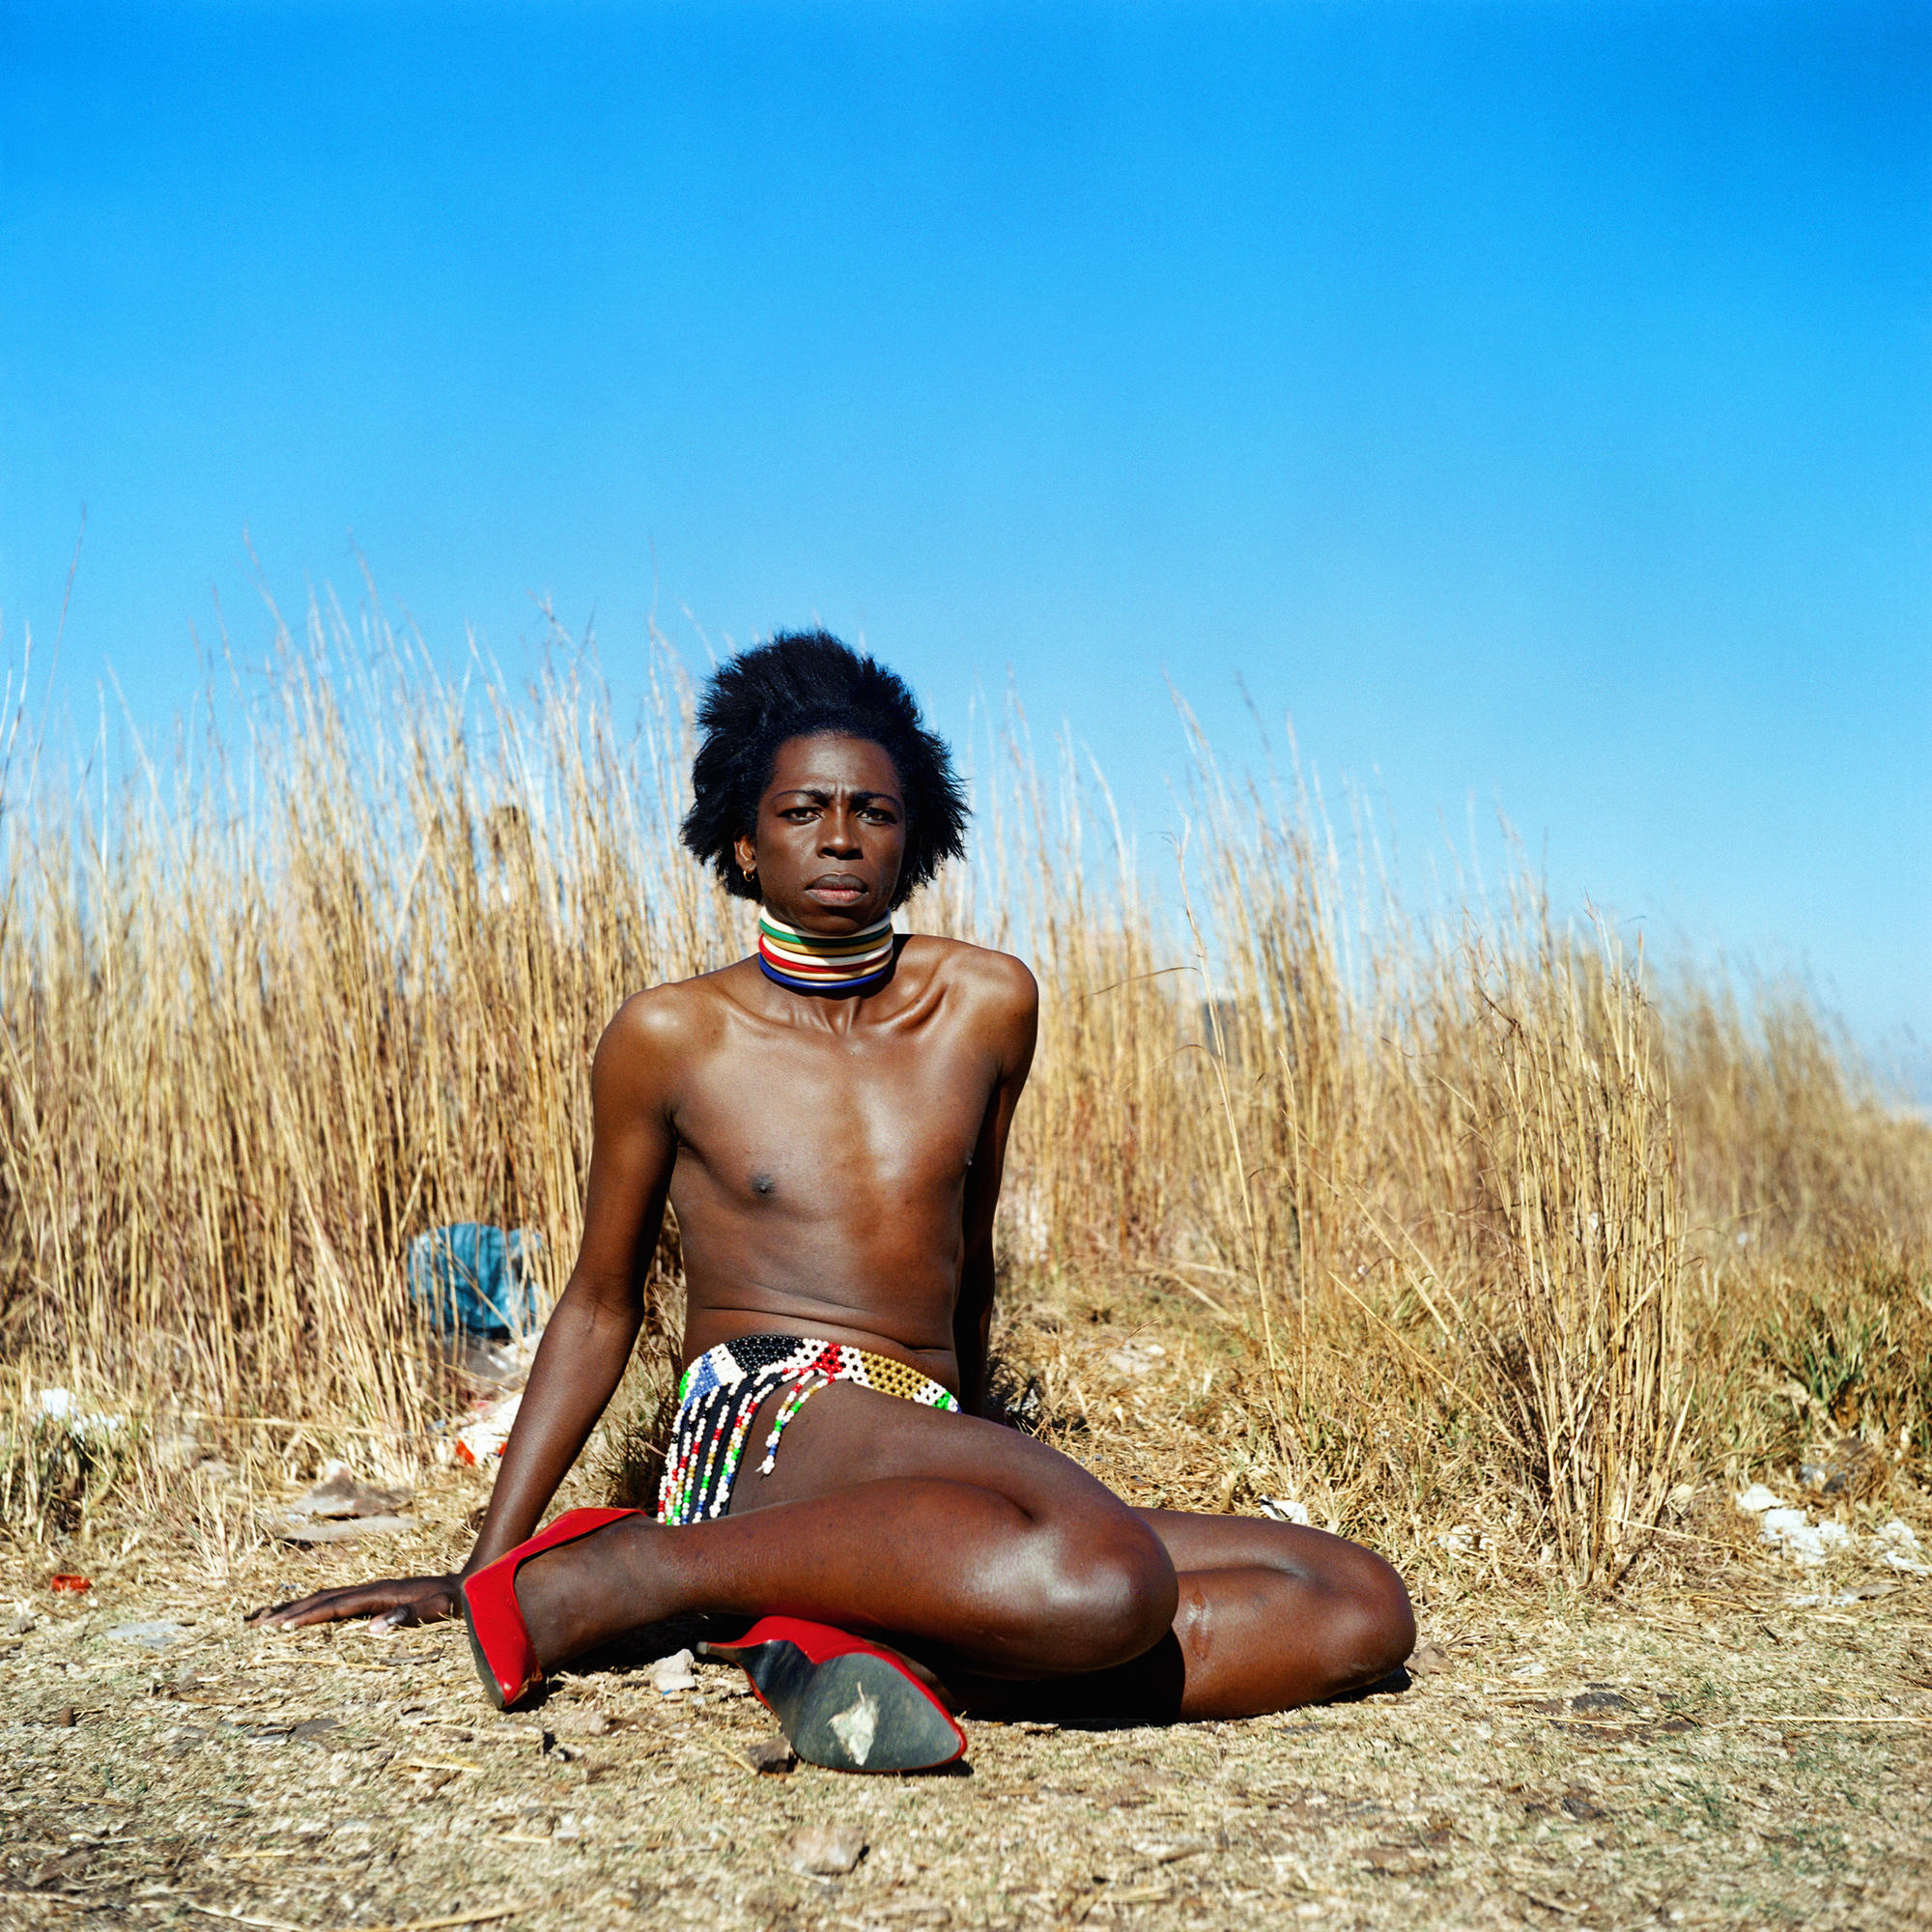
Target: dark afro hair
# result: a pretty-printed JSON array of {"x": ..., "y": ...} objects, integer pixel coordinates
[{"x": 802, "y": 684}]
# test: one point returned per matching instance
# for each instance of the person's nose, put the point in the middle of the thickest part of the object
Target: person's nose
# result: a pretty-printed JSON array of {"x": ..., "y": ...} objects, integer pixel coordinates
[{"x": 842, "y": 837}]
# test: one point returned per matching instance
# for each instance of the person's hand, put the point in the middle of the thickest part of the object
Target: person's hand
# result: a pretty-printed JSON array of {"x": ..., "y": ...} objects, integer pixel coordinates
[{"x": 393, "y": 1602}]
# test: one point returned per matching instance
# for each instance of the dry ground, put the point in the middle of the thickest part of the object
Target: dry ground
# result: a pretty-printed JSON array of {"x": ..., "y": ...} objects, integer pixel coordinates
[{"x": 1723, "y": 1757}]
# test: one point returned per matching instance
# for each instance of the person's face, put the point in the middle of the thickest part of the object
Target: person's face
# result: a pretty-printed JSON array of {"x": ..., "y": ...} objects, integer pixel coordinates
[{"x": 831, "y": 835}]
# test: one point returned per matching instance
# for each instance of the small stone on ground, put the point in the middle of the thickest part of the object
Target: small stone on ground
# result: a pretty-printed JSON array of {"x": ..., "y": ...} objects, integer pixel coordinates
[{"x": 825, "y": 1851}]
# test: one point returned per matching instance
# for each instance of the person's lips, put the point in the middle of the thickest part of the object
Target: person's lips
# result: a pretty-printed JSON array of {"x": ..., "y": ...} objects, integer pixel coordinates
[{"x": 838, "y": 888}]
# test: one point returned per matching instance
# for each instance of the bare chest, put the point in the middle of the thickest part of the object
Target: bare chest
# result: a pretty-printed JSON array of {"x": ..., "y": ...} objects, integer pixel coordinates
[{"x": 792, "y": 1119}]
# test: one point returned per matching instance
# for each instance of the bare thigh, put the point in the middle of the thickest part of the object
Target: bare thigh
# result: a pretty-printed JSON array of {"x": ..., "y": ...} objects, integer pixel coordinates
[
  {"x": 847, "y": 1434},
  {"x": 1199, "y": 1544}
]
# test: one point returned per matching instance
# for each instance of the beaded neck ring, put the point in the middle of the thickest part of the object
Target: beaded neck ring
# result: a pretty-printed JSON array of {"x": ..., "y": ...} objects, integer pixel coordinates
[{"x": 807, "y": 962}]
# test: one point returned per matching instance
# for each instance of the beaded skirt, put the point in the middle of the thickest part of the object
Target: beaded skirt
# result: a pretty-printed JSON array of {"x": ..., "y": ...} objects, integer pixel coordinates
[{"x": 719, "y": 1394}]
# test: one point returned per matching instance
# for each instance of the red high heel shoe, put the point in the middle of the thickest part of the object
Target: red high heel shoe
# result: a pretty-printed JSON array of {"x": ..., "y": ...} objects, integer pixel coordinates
[
  {"x": 843, "y": 1703},
  {"x": 498, "y": 1640}
]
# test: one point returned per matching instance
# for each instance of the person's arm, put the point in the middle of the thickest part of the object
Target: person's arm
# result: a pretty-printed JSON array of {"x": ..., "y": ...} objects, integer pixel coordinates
[
  {"x": 1015, "y": 1022},
  {"x": 591, "y": 1334},
  {"x": 588, "y": 1342}
]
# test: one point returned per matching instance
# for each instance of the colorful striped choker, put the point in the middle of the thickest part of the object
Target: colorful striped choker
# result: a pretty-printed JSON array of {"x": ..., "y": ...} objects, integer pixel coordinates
[{"x": 807, "y": 962}]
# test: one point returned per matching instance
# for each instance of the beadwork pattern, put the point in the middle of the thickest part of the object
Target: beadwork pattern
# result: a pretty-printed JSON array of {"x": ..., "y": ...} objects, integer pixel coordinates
[
  {"x": 721, "y": 1392},
  {"x": 811, "y": 963}
]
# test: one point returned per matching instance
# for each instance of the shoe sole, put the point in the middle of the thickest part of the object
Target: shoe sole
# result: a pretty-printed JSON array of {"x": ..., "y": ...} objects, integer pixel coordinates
[{"x": 852, "y": 1712}]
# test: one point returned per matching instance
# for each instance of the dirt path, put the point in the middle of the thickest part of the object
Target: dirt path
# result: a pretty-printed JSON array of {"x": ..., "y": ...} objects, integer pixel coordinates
[{"x": 1722, "y": 1759}]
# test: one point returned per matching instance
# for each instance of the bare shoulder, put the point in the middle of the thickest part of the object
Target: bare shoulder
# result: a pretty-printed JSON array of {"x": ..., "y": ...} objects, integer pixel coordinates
[
  {"x": 656, "y": 1031},
  {"x": 996, "y": 984}
]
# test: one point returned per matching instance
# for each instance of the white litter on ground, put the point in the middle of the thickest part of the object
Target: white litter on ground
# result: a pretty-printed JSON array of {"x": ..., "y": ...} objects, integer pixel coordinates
[
  {"x": 478, "y": 1440},
  {"x": 505, "y": 1364},
  {"x": 1285, "y": 1509},
  {"x": 1791, "y": 1530},
  {"x": 156, "y": 1634},
  {"x": 58, "y": 1404},
  {"x": 1900, "y": 1549},
  {"x": 673, "y": 1673}
]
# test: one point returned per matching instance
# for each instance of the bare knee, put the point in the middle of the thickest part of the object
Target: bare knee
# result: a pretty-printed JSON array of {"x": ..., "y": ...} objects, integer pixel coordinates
[
  {"x": 1108, "y": 1595},
  {"x": 1369, "y": 1625},
  {"x": 1362, "y": 1627}
]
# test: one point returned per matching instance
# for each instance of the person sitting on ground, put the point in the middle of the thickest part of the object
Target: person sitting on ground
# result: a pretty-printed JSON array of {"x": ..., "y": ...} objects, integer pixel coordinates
[{"x": 829, "y": 1118}]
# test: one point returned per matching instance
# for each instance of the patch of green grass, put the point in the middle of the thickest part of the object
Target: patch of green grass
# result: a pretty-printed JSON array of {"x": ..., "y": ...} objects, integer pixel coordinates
[
  {"x": 1856, "y": 1346},
  {"x": 1712, "y": 1799}
]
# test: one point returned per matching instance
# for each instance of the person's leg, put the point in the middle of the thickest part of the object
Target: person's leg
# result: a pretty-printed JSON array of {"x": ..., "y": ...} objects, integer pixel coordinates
[
  {"x": 1271, "y": 1616},
  {"x": 994, "y": 1558},
  {"x": 885, "y": 1518}
]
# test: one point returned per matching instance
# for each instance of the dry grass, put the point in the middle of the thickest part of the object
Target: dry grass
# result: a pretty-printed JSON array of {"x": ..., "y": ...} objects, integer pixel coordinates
[{"x": 1463, "y": 1231}]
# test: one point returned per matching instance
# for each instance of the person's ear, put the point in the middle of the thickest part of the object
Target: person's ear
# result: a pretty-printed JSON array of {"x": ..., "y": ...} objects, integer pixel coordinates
[{"x": 746, "y": 854}]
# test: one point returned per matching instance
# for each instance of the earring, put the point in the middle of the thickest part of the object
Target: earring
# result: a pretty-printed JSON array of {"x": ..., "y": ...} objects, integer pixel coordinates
[{"x": 751, "y": 871}]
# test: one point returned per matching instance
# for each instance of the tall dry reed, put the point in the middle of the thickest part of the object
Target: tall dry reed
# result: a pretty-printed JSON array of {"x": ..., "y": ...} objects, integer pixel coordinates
[{"x": 1457, "y": 1200}]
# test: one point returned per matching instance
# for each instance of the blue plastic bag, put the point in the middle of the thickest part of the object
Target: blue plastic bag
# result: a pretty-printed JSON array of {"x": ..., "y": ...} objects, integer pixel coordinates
[{"x": 473, "y": 1279}]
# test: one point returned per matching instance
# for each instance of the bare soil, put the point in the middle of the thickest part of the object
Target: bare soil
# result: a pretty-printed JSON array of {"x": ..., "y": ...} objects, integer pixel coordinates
[{"x": 1717, "y": 1757}]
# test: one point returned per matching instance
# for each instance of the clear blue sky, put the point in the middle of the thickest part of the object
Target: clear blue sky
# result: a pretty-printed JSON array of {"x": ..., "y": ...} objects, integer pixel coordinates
[{"x": 1533, "y": 400}]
